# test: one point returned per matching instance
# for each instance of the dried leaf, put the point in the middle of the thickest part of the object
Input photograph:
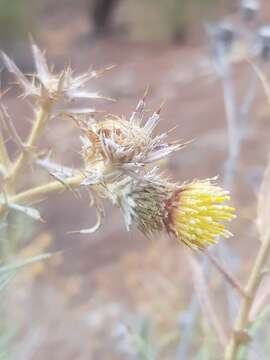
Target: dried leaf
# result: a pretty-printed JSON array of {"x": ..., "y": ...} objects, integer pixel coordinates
[
  {"x": 91, "y": 230},
  {"x": 29, "y": 211}
]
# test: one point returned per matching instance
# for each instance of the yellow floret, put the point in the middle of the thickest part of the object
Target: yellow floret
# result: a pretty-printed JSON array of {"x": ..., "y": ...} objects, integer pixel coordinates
[{"x": 197, "y": 214}]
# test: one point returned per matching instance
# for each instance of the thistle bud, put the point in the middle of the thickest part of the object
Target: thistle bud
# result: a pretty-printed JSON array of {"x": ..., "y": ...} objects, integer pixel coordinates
[
  {"x": 144, "y": 204},
  {"x": 193, "y": 212}
]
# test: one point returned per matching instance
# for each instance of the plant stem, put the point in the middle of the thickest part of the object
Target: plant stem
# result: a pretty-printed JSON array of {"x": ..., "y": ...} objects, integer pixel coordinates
[
  {"x": 242, "y": 320},
  {"x": 42, "y": 116},
  {"x": 228, "y": 277},
  {"x": 39, "y": 191},
  {"x": 4, "y": 158}
]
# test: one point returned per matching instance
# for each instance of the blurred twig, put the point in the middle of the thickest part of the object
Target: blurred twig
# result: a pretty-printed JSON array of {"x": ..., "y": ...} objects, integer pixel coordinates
[
  {"x": 203, "y": 294},
  {"x": 228, "y": 277},
  {"x": 252, "y": 286},
  {"x": 237, "y": 120}
]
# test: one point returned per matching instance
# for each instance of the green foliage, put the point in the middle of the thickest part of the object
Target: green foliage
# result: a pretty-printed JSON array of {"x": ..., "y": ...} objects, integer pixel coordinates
[
  {"x": 9, "y": 239},
  {"x": 142, "y": 342},
  {"x": 16, "y": 20},
  {"x": 167, "y": 20}
]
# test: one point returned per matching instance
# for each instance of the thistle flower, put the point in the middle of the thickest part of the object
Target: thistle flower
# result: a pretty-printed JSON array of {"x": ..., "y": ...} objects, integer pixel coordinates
[
  {"x": 47, "y": 85},
  {"x": 125, "y": 146},
  {"x": 195, "y": 214}
]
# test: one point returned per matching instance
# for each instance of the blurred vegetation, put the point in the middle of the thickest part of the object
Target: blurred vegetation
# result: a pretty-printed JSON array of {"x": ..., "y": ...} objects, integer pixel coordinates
[
  {"x": 16, "y": 20},
  {"x": 168, "y": 20}
]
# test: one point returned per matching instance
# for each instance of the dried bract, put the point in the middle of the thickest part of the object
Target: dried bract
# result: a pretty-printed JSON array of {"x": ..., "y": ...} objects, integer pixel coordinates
[
  {"x": 57, "y": 88},
  {"x": 144, "y": 204},
  {"x": 125, "y": 147}
]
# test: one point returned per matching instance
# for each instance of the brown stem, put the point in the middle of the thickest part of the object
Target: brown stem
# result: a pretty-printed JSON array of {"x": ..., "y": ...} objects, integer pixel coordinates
[{"x": 231, "y": 280}]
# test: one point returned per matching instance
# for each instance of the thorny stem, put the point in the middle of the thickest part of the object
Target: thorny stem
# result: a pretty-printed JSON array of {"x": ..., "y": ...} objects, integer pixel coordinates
[
  {"x": 252, "y": 286},
  {"x": 42, "y": 116}
]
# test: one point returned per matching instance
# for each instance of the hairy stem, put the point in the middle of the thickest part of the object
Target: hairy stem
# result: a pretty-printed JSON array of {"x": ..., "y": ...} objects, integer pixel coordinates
[{"x": 242, "y": 320}]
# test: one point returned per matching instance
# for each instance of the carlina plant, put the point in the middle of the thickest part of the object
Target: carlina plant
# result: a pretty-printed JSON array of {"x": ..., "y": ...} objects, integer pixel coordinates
[
  {"x": 120, "y": 157},
  {"x": 120, "y": 162}
]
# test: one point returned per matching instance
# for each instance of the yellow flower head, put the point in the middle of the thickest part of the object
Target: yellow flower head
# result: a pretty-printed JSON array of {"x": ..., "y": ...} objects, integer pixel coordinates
[{"x": 195, "y": 214}]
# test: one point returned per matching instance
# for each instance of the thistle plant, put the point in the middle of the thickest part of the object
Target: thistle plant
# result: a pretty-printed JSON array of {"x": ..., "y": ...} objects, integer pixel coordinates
[{"x": 119, "y": 163}]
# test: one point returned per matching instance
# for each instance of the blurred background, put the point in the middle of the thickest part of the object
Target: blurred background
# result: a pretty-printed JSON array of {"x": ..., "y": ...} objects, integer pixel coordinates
[{"x": 107, "y": 295}]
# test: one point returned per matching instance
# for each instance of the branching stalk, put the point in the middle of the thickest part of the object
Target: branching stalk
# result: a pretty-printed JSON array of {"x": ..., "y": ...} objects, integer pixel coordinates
[
  {"x": 42, "y": 116},
  {"x": 253, "y": 283},
  {"x": 40, "y": 191}
]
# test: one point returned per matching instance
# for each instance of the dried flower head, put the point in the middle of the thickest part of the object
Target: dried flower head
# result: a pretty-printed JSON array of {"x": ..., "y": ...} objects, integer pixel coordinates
[
  {"x": 48, "y": 86},
  {"x": 195, "y": 214},
  {"x": 125, "y": 146}
]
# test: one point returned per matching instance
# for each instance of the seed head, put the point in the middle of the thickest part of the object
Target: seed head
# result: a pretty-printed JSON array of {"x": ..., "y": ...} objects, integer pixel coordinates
[
  {"x": 195, "y": 214},
  {"x": 59, "y": 88},
  {"x": 125, "y": 147}
]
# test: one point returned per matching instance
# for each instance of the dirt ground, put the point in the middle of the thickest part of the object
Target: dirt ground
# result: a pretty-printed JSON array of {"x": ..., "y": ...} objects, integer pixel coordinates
[{"x": 77, "y": 304}]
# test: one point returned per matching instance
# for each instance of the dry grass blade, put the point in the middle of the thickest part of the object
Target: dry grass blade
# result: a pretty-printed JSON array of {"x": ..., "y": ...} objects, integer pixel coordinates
[{"x": 207, "y": 307}]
